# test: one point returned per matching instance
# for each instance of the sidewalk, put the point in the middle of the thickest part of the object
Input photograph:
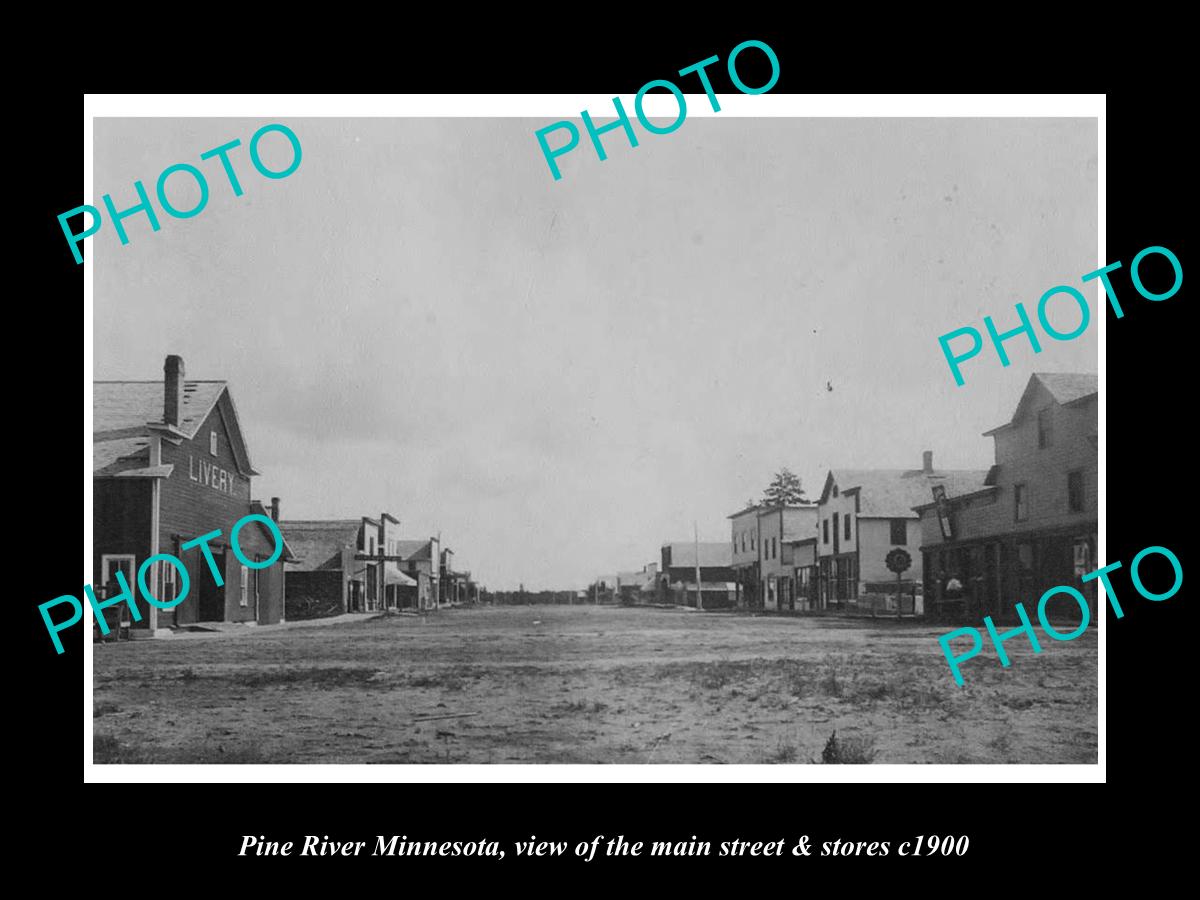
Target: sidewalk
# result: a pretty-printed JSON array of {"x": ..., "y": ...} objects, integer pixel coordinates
[{"x": 230, "y": 629}]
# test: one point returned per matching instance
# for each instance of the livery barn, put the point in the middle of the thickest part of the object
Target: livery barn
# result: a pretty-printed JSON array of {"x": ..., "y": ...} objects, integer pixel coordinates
[{"x": 170, "y": 464}]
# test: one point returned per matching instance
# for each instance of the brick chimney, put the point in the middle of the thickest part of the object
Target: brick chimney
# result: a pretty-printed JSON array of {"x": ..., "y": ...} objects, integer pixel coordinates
[
  {"x": 172, "y": 390},
  {"x": 927, "y": 462},
  {"x": 275, "y": 508}
]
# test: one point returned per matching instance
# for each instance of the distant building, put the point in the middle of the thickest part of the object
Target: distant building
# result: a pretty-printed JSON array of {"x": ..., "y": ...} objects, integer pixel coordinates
[
  {"x": 417, "y": 562},
  {"x": 169, "y": 464},
  {"x": 346, "y": 565},
  {"x": 865, "y": 513},
  {"x": 1031, "y": 522},
  {"x": 677, "y": 577},
  {"x": 802, "y": 553},
  {"x": 761, "y": 544},
  {"x": 638, "y": 587},
  {"x": 778, "y": 528},
  {"x": 745, "y": 556}
]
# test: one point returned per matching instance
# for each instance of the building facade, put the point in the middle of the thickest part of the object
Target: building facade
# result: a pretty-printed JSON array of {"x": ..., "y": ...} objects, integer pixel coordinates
[
  {"x": 677, "y": 577},
  {"x": 170, "y": 464},
  {"x": 1031, "y": 522},
  {"x": 346, "y": 566},
  {"x": 417, "y": 561},
  {"x": 638, "y": 587},
  {"x": 778, "y": 528},
  {"x": 744, "y": 559},
  {"x": 863, "y": 514},
  {"x": 802, "y": 553}
]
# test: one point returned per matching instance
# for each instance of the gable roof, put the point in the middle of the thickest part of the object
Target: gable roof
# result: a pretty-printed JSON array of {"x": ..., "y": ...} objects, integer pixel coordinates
[
  {"x": 123, "y": 410},
  {"x": 317, "y": 544},
  {"x": 417, "y": 550},
  {"x": 1067, "y": 387},
  {"x": 892, "y": 493},
  {"x": 712, "y": 555},
  {"x": 256, "y": 506},
  {"x": 130, "y": 404},
  {"x": 1064, "y": 388},
  {"x": 641, "y": 580}
]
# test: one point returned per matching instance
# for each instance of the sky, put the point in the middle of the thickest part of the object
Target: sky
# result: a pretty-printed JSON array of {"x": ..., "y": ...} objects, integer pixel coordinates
[{"x": 561, "y": 376}]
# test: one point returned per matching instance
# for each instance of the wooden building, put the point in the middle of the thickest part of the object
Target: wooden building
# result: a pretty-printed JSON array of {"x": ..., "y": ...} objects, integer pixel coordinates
[
  {"x": 1030, "y": 523},
  {"x": 863, "y": 514},
  {"x": 677, "y": 577},
  {"x": 169, "y": 464},
  {"x": 346, "y": 566}
]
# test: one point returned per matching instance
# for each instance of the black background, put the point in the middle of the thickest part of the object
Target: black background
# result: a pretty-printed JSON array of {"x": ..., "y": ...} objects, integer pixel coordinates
[{"x": 173, "y": 828}]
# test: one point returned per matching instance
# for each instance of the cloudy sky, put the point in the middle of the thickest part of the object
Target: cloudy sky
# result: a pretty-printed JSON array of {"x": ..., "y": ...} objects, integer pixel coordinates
[{"x": 561, "y": 376}]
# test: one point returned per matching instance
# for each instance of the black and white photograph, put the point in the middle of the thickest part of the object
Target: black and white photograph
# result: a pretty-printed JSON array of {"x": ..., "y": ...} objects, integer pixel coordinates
[{"x": 760, "y": 442}]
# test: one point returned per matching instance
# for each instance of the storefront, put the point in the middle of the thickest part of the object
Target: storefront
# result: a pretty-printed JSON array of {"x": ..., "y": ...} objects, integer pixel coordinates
[
  {"x": 170, "y": 464},
  {"x": 1030, "y": 524},
  {"x": 971, "y": 579}
]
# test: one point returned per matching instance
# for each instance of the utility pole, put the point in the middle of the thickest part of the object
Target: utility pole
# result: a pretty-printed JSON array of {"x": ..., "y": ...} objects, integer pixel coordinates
[{"x": 699, "y": 586}]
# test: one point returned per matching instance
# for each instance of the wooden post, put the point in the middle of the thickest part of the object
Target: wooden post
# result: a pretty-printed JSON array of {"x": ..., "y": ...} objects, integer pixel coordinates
[{"x": 699, "y": 588}]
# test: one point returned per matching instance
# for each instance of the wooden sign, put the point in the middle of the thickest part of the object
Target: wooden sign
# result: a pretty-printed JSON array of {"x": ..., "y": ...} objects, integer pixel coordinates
[{"x": 943, "y": 511}]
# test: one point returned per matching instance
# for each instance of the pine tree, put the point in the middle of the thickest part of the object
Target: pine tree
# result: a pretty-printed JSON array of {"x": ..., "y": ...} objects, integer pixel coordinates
[{"x": 785, "y": 489}]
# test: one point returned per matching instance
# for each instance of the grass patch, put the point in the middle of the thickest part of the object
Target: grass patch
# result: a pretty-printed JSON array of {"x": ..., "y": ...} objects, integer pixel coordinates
[
  {"x": 103, "y": 708},
  {"x": 107, "y": 750},
  {"x": 848, "y": 750},
  {"x": 783, "y": 753},
  {"x": 581, "y": 706}
]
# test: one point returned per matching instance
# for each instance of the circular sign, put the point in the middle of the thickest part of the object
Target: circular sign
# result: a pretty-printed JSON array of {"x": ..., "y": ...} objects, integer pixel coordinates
[{"x": 898, "y": 560}]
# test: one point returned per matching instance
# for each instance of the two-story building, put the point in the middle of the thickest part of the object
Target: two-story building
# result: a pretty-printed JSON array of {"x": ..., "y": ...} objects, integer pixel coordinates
[
  {"x": 863, "y": 514},
  {"x": 744, "y": 558},
  {"x": 417, "y": 561},
  {"x": 778, "y": 528},
  {"x": 1031, "y": 523},
  {"x": 169, "y": 464}
]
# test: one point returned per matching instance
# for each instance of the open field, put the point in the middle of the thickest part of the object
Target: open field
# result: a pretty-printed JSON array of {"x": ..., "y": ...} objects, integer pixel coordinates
[{"x": 589, "y": 685}]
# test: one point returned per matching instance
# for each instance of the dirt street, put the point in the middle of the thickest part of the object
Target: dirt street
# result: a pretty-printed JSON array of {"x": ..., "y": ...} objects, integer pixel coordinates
[{"x": 590, "y": 685}]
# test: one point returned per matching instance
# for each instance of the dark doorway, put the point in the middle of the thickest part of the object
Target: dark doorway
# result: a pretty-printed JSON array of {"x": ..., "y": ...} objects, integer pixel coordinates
[{"x": 212, "y": 597}]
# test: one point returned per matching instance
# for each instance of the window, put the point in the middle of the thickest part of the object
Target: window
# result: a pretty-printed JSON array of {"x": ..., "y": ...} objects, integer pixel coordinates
[
  {"x": 371, "y": 545},
  {"x": 846, "y": 535},
  {"x": 835, "y": 531},
  {"x": 169, "y": 574},
  {"x": 743, "y": 542},
  {"x": 212, "y": 443},
  {"x": 774, "y": 549},
  {"x": 1045, "y": 429},
  {"x": 1075, "y": 490},
  {"x": 899, "y": 531},
  {"x": 243, "y": 597},
  {"x": 1020, "y": 503},
  {"x": 825, "y": 531},
  {"x": 835, "y": 490},
  {"x": 1025, "y": 557}
]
